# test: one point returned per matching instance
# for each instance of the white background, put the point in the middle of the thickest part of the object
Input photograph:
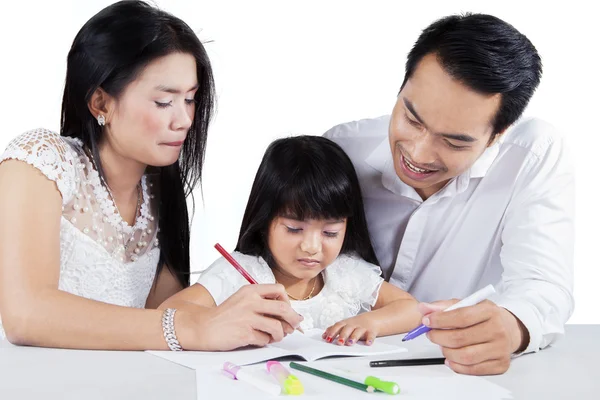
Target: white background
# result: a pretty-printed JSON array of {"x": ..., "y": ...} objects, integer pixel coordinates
[{"x": 286, "y": 68}]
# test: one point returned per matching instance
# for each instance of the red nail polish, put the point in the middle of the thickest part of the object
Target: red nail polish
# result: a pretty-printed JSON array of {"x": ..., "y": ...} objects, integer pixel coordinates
[
  {"x": 329, "y": 339},
  {"x": 341, "y": 341}
]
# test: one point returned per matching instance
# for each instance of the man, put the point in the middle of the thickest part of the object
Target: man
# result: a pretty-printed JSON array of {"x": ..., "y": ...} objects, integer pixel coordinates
[{"x": 455, "y": 200}]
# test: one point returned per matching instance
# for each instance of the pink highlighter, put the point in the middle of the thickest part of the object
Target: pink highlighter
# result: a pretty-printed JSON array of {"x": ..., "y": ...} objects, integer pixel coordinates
[{"x": 288, "y": 382}]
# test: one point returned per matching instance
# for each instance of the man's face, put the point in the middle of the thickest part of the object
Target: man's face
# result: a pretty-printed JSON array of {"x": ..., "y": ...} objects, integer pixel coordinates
[{"x": 439, "y": 127}]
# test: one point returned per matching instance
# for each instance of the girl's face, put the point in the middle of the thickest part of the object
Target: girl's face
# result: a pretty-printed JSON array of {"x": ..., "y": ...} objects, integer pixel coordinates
[{"x": 302, "y": 249}]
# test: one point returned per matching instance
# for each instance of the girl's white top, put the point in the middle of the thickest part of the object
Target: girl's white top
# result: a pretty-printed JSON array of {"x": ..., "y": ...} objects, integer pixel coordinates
[{"x": 351, "y": 287}]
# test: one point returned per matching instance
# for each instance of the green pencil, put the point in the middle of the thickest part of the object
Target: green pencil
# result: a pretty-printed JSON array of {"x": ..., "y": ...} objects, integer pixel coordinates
[{"x": 331, "y": 377}]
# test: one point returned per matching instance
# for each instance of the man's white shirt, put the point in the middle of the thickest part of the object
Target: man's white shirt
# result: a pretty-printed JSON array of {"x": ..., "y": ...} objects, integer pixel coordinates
[{"x": 507, "y": 221}]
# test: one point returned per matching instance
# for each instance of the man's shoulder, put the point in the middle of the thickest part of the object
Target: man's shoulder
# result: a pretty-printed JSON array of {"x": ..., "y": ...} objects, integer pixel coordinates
[
  {"x": 360, "y": 138},
  {"x": 535, "y": 136},
  {"x": 367, "y": 128}
]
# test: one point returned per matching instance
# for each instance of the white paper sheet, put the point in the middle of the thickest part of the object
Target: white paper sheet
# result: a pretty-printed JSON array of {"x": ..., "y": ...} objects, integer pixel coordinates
[{"x": 310, "y": 346}]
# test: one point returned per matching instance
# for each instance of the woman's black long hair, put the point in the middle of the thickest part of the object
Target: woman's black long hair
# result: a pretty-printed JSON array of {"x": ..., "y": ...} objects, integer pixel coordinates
[
  {"x": 109, "y": 52},
  {"x": 308, "y": 177}
]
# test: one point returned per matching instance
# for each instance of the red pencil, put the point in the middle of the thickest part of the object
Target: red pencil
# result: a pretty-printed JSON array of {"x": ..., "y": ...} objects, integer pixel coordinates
[
  {"x": 240, "y": 269},
  {"x": 235, "y": 264}
]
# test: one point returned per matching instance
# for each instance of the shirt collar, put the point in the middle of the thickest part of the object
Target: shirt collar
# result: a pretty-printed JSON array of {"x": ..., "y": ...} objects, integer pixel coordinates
[{"x": 381, "y": 160}]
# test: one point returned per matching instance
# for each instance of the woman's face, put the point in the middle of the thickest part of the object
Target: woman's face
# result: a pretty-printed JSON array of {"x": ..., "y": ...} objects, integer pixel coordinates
[{"x": 151, "y": 119}]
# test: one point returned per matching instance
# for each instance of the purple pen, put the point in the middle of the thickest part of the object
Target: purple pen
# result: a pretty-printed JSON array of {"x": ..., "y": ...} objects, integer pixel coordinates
[
  {"x": 471, "y": 300},
  {"x": 418, "y": 331}
]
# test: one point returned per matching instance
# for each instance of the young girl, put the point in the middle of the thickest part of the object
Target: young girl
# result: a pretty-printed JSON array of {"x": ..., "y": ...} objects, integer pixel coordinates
[
  {"x": 94, "y": 229},
  {"x": 304, "y": 228}
]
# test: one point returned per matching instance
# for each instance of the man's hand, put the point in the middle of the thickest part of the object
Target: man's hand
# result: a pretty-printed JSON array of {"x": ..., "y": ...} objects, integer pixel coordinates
[{"x": 476, "y": 340}]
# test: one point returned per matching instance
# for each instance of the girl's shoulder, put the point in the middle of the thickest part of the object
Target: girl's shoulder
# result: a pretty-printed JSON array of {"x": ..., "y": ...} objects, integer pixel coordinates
[
  {"x": 254, "y": 265},
  {"x": 353, "y": 278},
  {"x": 351, "y": 264}
]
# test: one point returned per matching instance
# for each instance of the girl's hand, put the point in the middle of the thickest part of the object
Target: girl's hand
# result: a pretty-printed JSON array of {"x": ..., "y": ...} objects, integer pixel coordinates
[{"x": 349, "y": 331}]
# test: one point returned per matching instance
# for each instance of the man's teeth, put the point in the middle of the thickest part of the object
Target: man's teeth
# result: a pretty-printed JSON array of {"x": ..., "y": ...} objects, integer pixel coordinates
[{"x": 415, "y": 169}]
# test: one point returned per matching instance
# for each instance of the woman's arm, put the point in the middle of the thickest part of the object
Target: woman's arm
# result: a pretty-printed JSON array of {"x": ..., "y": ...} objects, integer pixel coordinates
[
  {"x": 193, "y": 296},
  {"x": 34, "y": 311}
]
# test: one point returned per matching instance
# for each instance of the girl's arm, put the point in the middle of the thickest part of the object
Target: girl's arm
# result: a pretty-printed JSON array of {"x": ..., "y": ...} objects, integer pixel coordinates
[{"x": 394, "y": 312}]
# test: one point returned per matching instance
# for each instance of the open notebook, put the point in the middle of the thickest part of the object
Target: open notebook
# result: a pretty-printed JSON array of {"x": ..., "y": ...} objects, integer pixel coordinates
[{"x": 308, "y": 346}]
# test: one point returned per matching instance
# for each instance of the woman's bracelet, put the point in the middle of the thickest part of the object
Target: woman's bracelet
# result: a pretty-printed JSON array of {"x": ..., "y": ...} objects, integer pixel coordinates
[{"x": 168, "y": 326}]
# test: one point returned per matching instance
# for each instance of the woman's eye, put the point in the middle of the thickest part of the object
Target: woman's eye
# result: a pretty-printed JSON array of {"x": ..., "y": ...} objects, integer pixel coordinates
[{"x": 162, "y": 105}]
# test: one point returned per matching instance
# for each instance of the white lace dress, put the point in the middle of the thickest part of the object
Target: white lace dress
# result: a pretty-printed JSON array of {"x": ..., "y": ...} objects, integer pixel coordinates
[
  {"x": 351, "y": 287},
  {"x": 101, "y": 257}
]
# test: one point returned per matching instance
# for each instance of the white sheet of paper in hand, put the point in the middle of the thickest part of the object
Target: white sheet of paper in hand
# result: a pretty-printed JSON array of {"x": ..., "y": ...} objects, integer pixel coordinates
[{"x": 310, "y": 346}]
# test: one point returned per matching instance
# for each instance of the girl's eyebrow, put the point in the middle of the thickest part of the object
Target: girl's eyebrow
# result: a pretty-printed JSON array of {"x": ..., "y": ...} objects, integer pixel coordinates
[
  {"x": 295, "y": 218},
  {"x": 288, "y": 216}
]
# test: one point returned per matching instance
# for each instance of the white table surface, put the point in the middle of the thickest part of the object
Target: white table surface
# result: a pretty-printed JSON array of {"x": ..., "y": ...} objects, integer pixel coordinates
[{"x": 567, "y": 370}]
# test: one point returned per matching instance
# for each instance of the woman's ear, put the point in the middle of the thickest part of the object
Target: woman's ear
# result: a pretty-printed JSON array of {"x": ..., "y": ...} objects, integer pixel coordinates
[{"x": 101, "y": 103}]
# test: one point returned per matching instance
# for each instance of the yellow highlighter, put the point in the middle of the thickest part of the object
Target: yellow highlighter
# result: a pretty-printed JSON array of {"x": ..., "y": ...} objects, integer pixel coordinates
[{"x": 289, "y": 383}]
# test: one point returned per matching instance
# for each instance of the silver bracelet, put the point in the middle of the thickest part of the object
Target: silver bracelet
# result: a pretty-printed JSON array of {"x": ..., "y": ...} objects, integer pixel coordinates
[{"x": 169, "y": 329}]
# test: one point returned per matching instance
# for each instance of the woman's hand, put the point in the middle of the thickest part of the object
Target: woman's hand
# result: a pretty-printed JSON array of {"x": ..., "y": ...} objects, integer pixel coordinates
[
  {"x": 255, "y": 315},
  {"x": 349, "y": 331}
]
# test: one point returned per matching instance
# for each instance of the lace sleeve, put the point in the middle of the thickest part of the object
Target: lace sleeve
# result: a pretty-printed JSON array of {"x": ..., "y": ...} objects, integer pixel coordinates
[
  {"x": 50, "y": 154},
  {"x": 356, "y": 281},
  {"x": 370, "y": 276}
]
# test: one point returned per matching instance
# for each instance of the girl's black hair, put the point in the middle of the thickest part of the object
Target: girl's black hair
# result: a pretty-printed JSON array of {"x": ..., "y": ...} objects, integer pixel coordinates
[{"x": 307, "y": 177}]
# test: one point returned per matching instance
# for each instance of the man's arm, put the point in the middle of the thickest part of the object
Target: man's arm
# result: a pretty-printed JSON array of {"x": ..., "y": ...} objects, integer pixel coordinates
[
  {"x": 535, "y": 296},
  {"x": 537, "y": 250}
]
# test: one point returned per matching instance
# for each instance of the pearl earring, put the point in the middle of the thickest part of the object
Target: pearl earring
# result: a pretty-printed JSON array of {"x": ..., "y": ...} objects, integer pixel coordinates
[{"x": 101, "y": 120}]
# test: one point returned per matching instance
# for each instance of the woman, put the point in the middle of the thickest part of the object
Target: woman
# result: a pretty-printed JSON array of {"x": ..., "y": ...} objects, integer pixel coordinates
[{"x": 95, "y": 229}]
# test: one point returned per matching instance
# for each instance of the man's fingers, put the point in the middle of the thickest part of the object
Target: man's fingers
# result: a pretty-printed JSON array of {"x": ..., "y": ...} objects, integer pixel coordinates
[
  {"x": 490, "y": 367},
  {"x": 475, "y": 354},
  {"x": 462, "y": 337},
  {"x": 460, "y": 318}
]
